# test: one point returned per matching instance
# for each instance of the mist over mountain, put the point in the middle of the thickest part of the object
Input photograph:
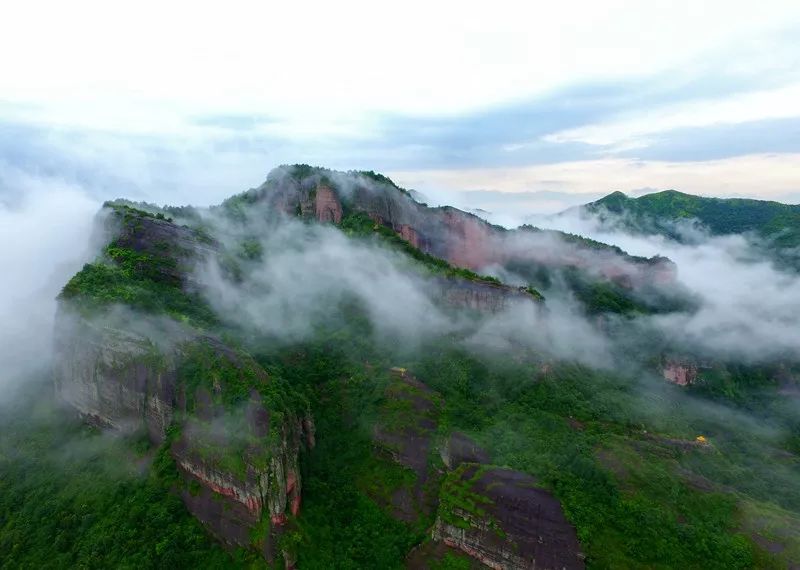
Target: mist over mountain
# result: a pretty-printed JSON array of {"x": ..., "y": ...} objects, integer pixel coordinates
[
  {"x": 426, "y": 285},
  {"x": 324, "y": 372}
]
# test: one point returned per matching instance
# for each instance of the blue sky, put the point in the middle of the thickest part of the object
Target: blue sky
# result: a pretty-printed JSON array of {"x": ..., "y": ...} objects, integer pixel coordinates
[{"x": 506, "y": 106}]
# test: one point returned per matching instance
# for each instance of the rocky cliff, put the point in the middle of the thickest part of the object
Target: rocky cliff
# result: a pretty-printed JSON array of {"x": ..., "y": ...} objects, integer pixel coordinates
[
  {"x": 496, "y": 516},
  {"x": 679, "y": 373},
  {"x": 482, "y": 296},
  {"x": 461, "y": 238},
  {"x": 505, "y": 520},
  {"x": 114, "y": 377},
  {"x": 237, "y": 452},
  {"x": 131, "y": 355}
]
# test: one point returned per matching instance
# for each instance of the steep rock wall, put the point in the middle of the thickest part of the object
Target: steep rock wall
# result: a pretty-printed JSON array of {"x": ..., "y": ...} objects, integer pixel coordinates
[
  {"x": 327, "y": 207},
  {"x": 483, "y": 296},
  {"x": 501, "y": 518},
  {"x": 679, "y": 372},
  {"x": 113, "y": 377},
  {"x": 461, "y": 238},
  {"x": 238, "y": 465}
]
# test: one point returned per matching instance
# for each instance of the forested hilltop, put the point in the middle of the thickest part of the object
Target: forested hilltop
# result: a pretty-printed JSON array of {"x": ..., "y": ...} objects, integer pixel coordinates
[
  {"x": 322, "y": 372},
  {"x": 777, "y": 224}
]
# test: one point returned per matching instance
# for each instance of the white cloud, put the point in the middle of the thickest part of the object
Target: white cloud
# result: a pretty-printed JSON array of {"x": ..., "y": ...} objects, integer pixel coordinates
[
  {"x": 143, "y": 65},
  {"x": 44, "y": 237},
  {"x": 747, "y": 307}
]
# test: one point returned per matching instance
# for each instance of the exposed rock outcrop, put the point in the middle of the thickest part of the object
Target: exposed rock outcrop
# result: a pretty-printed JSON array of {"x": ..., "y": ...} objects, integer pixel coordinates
[
  {"x": 458, "y": 449},
  {"x": 404, "y": 433},
  {"x": 113, "y": 377},
  {"x": 173, "y": 250},
  {"x": 239, "y": 466},
  {"x": 680, "y": 373},
  {"x": 461, "y": 238},
  {"x": 410, "y": 235},
  {"x": 501, "y": 518},
  {"x": 482, "y": 296},
  {"x": 327, "y": 207}
]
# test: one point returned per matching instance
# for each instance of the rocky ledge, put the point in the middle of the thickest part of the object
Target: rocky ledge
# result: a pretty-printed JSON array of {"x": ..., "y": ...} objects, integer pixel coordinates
[
  {"x": 505, "y": 520},
  {"x": 238, "y": 459}
]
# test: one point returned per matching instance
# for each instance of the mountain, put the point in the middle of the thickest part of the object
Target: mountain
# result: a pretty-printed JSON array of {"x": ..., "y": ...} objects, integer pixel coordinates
[
  {"x": 776, "y": 225},
  {"x": 325, "y": 373}
]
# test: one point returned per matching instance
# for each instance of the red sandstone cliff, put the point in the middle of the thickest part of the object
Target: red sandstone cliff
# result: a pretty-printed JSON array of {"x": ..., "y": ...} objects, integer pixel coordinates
[
  {"x": 680, "y": 373},
  {"x": 461, "y": 238}
]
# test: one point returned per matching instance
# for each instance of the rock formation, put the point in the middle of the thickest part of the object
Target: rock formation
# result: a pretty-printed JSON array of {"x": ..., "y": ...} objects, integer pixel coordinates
[
  {"x": 234, "y": 443},
  {"x": 503, "y": 519},
  {"x": 461, "y": 238},
  {"x": 680, "y": 373},
  {"x": 213, "y": 409},
  {"x": 483, "y": 296},
  {"x": 458, "y": 449},
  {"x": 405, "y": 434},
  {"x": 327, "y": 208},
  {"x": 237, "y": 466},
  {"x": 496, "y": 516}
]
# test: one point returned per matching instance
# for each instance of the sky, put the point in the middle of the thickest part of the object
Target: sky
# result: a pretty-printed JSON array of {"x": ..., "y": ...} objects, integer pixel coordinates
[{"x": 507, "y": 107}]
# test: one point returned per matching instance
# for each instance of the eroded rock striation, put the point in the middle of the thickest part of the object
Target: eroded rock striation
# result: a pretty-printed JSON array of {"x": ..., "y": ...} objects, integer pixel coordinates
[
  {"x": 239, "y": 465},
  {"x": 463, "y": 239},
  {"x": 503, "y": 519}
]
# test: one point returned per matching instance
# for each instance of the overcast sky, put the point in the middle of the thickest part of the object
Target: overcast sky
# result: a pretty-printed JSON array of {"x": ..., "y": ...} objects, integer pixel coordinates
[{"x": 494, "y": 105}]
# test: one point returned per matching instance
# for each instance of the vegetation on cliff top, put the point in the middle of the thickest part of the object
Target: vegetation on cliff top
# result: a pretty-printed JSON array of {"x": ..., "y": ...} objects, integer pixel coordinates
[
  {"x": 149, "y": 282},
  {"x": 105, "y": 282}
]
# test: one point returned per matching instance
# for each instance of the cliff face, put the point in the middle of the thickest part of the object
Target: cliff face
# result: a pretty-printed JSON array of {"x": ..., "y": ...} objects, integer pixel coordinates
[
  {"x": 501, "y": 518},
  {"x": 680, "y": 373},
  {"x": 239, "y": 466},
  {"x": 405, "y": 434},
  {"x": 327, "y": 208},
  {"x": 496, "y": 516},
  {"x": 482, "y": 296},
  {"x": 459, "y": 237},
  {"x": 113, "y": 377}
]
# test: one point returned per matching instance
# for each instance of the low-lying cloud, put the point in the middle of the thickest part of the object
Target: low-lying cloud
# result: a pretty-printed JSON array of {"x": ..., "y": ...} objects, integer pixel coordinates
[
  {"x": 45, "y": 228},
  {"x": 748, "y": 307}
]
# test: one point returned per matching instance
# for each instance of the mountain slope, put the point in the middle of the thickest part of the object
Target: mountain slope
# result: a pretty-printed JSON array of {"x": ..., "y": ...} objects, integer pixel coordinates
[{"x": 778, "y": 224}]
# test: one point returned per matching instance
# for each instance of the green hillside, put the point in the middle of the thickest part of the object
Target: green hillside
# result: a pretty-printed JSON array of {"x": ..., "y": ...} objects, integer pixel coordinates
[{"x": 656, "y": 213}]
